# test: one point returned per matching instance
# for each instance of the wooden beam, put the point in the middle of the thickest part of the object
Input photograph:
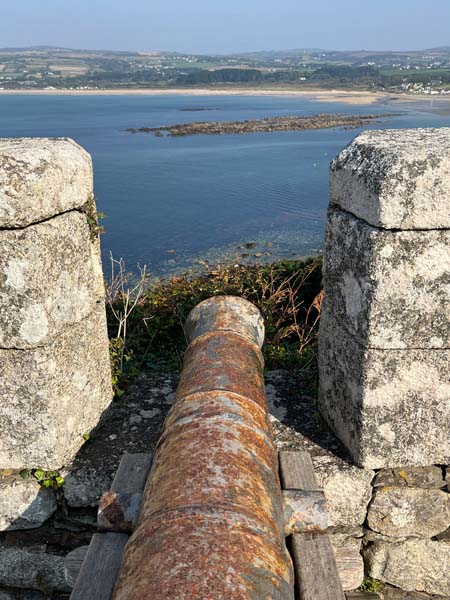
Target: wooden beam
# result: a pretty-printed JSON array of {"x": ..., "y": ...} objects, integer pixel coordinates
[
  {"x": 73, "y": 563},
  {"x": 297, "y": 471},
  {"x": 100, "y": 568},
  {"x": 316, "y": 572},
  {"x": 118, "y": 509},
  {"x": 132, "y": 473},
  {"x": 362, "y": 596}
]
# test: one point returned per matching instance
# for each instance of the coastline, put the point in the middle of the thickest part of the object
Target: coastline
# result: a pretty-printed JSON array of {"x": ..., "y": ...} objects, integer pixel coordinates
[
  {"x": 355, "y": 97},
  {"x": 344, "y": 96}
]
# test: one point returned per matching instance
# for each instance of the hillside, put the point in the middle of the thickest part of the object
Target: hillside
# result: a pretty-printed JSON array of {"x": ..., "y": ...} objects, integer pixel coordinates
[{"x": 64, "y": 68}]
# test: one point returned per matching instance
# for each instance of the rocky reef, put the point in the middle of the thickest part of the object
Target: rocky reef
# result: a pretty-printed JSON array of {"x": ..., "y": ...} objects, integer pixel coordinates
[{"x": 268, "y": 124}]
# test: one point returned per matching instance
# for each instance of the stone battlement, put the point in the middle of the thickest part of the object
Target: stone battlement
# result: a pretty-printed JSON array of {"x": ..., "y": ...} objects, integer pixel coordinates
[{"x": 384, "y": 355}]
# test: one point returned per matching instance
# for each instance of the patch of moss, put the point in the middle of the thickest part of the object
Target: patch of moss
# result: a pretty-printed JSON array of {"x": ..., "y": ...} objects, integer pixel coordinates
[
  {"x": 93, "y": 218},
  {"x": 371, "y": 585}
]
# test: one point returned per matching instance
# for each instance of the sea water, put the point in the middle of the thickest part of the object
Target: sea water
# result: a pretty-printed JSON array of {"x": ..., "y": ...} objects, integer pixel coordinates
[{"x": 174, "y": 203}]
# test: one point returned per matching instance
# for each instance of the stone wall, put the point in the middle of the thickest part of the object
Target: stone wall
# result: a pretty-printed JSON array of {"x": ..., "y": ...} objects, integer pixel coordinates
[
  {"x": 402, "y": 527},
  {"x": 383, "y": 359},
  {"x": 385, "y": 326},
  {"x": 384, "y": 356},
  {"x": 54, "y": 360}
]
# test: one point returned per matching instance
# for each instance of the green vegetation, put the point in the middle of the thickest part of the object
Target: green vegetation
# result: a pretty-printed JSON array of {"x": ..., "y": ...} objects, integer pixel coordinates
[
  {"x": 220, "y": 76},
  {"x": 46, "y": 479},
  {"x": 62, "y": 68},
  {"x": 371, "y": 585},
  {"x": 288, "y": 293},
  {"x": 93, "y": 217}
]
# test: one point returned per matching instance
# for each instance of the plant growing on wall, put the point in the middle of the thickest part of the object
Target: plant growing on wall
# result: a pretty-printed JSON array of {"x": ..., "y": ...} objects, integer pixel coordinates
[{"x": 124, "y": 292}]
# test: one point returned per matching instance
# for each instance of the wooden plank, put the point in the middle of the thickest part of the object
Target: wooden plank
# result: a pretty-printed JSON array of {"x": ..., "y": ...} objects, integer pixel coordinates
[
  {"x": 362, "y": 596},
  {"x": 73, "y": 563},
  {"x": 297, "y": 471},
  {"x": 316, "y": 572},
  {"x": 132, "y": 473},
  {"x": 100, "y": 568}
]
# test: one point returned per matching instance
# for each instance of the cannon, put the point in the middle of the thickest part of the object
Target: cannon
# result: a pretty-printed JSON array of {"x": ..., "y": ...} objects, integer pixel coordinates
[
  {"x": 211, "y": 522},
  {"x": 214, "y": 516}
]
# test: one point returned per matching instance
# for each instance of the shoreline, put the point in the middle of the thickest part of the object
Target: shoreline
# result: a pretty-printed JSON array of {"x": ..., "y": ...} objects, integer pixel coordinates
[
  {"x": 344, "y": 96},
  {"x": 355, "y": 97}
]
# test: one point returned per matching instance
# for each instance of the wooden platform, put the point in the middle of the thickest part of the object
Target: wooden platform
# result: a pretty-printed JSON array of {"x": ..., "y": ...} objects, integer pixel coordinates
[
  {"x": 95, "y": 575},
  {"x": 320, "y": 572}
]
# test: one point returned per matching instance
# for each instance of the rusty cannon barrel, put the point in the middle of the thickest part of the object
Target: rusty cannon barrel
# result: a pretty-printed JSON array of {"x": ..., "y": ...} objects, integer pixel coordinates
[{"x": 211, "y": 522}]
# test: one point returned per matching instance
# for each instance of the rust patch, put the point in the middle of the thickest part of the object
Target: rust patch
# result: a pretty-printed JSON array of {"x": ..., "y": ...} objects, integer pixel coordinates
[
  {"x": 118, "y": 511},
  {"x": 304, "y": 512},
  {"x": 223, "y": 362}
]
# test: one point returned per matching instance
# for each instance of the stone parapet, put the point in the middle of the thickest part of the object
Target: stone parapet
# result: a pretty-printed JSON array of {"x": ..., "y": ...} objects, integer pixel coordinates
[
  {"x": 388, "y": 289},
  {"x": 54, "y": 360},
  {"x": 395, "y": 179},
  {"x": 41, "y": 178},
  {"x": 384, "y": 346},
  {"x": 388, "y": 407}
]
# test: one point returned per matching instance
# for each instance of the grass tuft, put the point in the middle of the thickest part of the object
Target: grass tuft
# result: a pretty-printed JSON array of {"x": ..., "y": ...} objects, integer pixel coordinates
[{"x": 288, "y": 293}]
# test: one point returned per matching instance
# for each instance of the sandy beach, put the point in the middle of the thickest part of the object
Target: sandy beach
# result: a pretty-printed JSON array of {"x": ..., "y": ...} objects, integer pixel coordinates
[
  {"x": 341, "y": 96},
  {"x": 348, "y": 97}
]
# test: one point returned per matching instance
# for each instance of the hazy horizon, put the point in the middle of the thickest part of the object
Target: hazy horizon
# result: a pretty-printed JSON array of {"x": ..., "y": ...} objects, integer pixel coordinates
[
  {"x": 232, "y": 52},
  {"x": 236, "y": 26}
]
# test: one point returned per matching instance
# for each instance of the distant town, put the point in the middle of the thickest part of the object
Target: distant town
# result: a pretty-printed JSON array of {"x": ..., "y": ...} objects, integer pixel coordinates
[{"x": 47, "y": 68}]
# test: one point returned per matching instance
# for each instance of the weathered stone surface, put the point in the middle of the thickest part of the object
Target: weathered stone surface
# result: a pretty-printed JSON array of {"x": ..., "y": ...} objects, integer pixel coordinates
[
  {"x": 132, "y": 424},
  {"x": 351, "y": 539},
  {"x": 398, "y": 512},
  {"x": 297, "y": 426},
  {"x": 54, "y": 394},
  {"x": 41, "y": 178},
  {"x": 50, "y": 277},
  {"x": 389, "y": 289},
  {"x": 350, "y": 566},
  {"x": 373, "y": 536},
  {"x": 347, "y": 490},
  {"x": 392, "y": 593},
  {"x": 84, "y": 486},
  {"x": 421, "y": 477},
  {"x": 24, "y": 504},
  {"x": 24, "y": 595},
  {"x": 444, "y": 536},
  {"x": 415, "y": 565},
  {"x": 388, "y": 407},
  {"x": 32, "y": 570},
  {"x": 395, "y": 179}
]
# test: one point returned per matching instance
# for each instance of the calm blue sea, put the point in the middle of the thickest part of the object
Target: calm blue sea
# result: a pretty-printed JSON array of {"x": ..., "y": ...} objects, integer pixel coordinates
[{"x": 172, "y": 203}]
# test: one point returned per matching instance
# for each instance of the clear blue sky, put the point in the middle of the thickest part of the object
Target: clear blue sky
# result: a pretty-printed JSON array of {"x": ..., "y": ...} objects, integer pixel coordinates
[{"x": 226, "y": 25}]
